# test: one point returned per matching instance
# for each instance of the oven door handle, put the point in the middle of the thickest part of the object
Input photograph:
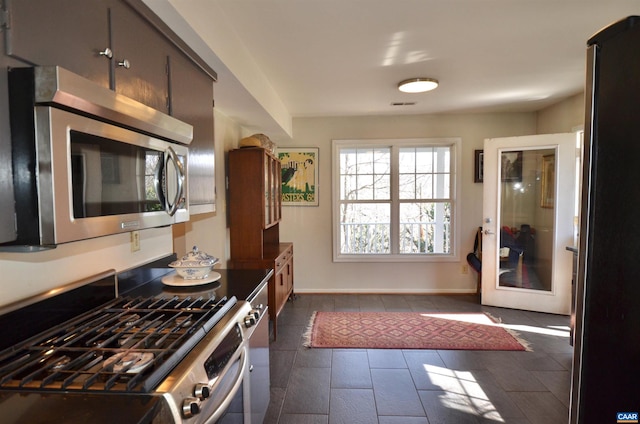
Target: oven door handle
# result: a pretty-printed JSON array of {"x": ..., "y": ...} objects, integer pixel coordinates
[{"x": 222, "y": 408}]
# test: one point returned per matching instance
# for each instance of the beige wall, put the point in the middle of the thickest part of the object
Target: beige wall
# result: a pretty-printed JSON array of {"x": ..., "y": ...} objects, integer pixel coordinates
[
  {"x": 565, "y": 116},
  {"x": 309, "y": 228},
  {"x": 27, "y": 274}
]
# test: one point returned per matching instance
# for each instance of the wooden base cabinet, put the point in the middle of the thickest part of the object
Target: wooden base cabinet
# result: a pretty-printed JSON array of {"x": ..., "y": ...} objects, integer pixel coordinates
[{"x": 280, "y": 259}]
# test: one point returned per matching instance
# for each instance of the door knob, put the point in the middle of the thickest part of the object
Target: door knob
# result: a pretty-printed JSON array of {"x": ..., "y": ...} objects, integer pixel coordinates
[{"x": 488, "y": 232}]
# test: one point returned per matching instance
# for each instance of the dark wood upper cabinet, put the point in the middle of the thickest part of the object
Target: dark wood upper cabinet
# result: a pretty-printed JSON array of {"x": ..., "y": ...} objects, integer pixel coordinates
[
  {"x": 140, "y": 58},
  {"x": 191, "y": 96},
  {"x": 67, "y": 33},
  {"x": 122, "y": 45},
  {"x": 106, "y": 41}
]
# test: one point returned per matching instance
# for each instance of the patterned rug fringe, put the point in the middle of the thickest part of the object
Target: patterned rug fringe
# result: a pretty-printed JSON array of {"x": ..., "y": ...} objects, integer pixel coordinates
[
  {"x": 516, "y": 335},
  {"x": 306, "y": 336},
  {"x": 497, "y": 320}
]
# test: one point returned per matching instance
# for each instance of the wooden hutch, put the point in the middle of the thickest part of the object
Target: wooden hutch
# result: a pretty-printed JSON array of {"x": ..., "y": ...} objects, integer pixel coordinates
[{"x": 255, "y": 209}]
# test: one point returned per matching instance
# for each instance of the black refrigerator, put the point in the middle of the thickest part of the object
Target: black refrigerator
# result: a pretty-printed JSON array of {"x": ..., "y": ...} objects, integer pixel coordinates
[{"x": 606, "y": 366}]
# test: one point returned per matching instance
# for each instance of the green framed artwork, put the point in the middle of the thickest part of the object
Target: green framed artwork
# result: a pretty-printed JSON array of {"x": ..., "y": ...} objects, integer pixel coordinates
[{"x": 299, "y": 175}]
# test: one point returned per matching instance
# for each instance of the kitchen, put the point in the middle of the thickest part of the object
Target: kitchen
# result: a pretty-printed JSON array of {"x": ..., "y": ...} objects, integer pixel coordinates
[{"x": 60, "y": 265}]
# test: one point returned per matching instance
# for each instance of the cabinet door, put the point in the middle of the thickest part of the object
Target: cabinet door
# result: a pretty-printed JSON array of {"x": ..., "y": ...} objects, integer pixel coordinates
[
  {"x": 282, "y": 294},
  {"x": 276, "y": 189},
  {"x": 288, "y": 280},
  {"x": 67, "y": 33},
  {"x": 284, "y": 277},
  {"x": 279, "y": 285},
  {"x": 191, "y": 96},
  {"x": 145, "y": 50},
  {"x": 7, "y": 200},
  {"x": 272, "y": 213}
]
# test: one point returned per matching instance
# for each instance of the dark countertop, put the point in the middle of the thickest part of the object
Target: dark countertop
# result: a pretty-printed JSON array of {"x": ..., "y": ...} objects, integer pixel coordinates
[{"x": 244, "y": 284}]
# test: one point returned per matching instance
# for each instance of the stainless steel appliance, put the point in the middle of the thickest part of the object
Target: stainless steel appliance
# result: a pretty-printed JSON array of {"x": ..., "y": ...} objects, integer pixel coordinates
[
  {"x": 133, "y": 359},
  {"x": 606, "y": 365},
  {"x": 88, "y": 162}
]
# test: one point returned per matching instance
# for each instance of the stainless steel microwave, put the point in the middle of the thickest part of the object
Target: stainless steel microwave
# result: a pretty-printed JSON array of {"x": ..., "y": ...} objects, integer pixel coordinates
[{"x": 89, "y": 162}]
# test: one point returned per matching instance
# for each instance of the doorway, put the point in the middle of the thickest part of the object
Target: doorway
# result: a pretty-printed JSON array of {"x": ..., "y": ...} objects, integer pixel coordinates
[{"x": 529, "y": 186}]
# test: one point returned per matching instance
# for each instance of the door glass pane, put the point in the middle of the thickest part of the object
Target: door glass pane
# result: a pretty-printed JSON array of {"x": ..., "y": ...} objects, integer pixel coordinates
[{"x": 527, "y": 193}]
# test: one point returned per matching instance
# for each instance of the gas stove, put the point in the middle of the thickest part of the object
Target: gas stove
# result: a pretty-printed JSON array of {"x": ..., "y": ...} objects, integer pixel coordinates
[
  {"x": 151, "y": 359},
  {"x": 128, "y": 345}
]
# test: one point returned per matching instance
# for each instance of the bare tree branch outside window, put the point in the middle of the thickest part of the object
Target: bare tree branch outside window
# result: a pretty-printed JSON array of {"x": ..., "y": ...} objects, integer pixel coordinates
[{"x": 404, "y": 208}]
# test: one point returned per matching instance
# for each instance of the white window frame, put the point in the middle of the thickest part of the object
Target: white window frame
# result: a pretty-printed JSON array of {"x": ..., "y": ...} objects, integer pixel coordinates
[{"x": 454, "y": 143}]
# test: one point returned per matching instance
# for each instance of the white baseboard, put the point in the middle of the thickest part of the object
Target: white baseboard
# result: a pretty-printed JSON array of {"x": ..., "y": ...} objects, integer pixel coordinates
[{"x": 384, "y": 291}]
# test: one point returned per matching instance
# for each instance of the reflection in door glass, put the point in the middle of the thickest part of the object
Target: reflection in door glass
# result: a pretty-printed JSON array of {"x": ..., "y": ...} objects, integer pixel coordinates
[{"x": 527, "y": 192}]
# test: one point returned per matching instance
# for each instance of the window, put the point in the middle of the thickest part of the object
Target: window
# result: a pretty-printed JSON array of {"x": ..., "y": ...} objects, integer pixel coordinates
[{"x": 394, "y": 199}]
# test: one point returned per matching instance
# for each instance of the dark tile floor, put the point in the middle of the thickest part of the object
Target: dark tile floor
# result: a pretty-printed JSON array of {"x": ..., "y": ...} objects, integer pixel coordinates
[{"x": 314, "y": 386}]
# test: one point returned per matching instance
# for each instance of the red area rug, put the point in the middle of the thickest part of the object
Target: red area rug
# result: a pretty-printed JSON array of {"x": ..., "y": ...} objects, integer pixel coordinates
[{"x": 409, "y": 330}]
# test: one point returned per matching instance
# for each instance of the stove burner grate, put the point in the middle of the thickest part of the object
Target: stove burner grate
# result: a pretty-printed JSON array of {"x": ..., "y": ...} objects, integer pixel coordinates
[{"x": 128, "y": 345}]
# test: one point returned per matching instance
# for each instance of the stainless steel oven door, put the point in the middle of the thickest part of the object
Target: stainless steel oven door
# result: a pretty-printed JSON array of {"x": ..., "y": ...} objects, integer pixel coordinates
[
  {"x": 211, "y": 384},
  {"x": 232, "y": 405}
]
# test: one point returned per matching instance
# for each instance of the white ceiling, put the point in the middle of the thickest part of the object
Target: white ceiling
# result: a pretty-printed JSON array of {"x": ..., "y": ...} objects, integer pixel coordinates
[{"x": 279, "y": 59}]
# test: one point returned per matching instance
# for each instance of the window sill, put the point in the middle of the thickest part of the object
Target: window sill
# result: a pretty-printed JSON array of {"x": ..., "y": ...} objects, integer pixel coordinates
[{"x": 397, "y": 258}]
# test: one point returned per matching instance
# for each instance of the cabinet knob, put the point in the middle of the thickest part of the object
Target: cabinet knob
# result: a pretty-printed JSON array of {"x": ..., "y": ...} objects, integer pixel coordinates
[
  {"x": 106, "y": 53},
  {"x": 124, "y": 64}
]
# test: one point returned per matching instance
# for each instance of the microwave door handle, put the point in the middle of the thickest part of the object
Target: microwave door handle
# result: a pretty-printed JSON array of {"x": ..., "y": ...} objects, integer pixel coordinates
[{"x": 173, "y": 208}]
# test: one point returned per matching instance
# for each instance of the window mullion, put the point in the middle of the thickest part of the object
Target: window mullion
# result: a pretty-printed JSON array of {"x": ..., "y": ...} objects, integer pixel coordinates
[{"x": 395, "y": 200}]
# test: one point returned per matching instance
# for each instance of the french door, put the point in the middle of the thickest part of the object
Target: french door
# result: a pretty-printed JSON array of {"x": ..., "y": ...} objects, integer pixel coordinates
[{"x": 529, "y": 220}]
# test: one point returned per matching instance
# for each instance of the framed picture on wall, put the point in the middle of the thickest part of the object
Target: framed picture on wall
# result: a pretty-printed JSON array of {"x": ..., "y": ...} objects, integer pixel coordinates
[
  {"x": 299, "y": 176},
  {"x": 478, "y": 169}
]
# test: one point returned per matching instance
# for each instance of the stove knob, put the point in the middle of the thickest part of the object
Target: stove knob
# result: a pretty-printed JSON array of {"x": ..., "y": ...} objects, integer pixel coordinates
[
  {"x": 249, "y": 321},
  {"x": 255, "y": 313},
  {"x": 202, "y": 391},
  {"x": 190, "y": 407}
]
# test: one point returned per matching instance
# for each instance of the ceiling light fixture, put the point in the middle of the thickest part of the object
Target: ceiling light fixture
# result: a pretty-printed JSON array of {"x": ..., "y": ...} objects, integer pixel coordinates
[{"x": 417, "y": 85}]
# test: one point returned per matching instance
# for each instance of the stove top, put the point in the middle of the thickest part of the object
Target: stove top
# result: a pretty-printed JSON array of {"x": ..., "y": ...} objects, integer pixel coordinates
[
  {"x": 127, "y": 345},
  {"x": 123, "y": 348}
]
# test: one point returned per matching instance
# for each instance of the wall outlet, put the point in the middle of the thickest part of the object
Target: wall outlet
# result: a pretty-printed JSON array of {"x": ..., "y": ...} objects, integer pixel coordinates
[
  {"x": 135, "y": 241},
  {"x": 464, "y": 269}
]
